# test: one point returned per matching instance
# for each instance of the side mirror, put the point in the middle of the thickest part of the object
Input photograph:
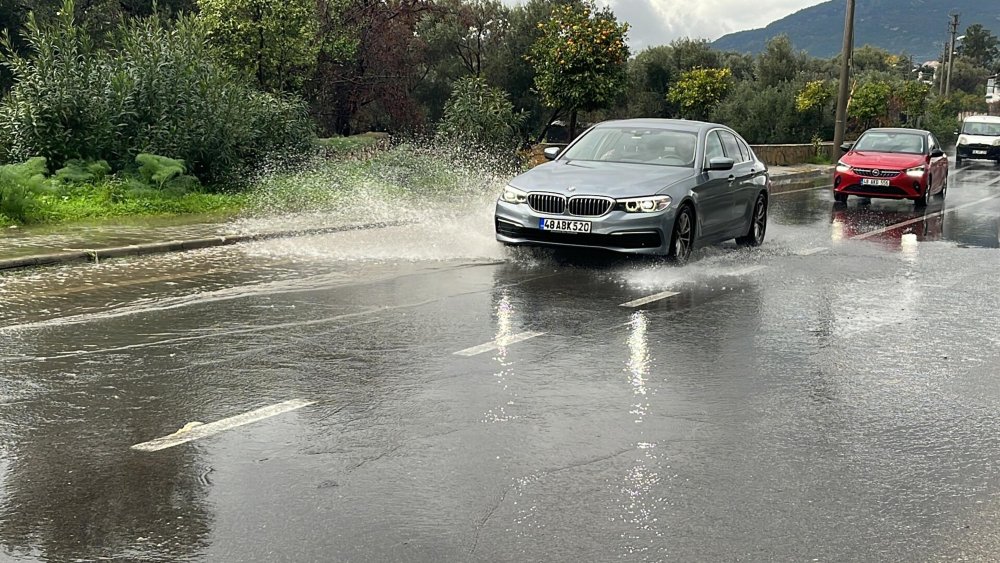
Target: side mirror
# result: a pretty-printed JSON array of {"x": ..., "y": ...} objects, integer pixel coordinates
[
  {"x": 721, "y": 163},
  {"x": 552, "y": 152},
  {"x": 846, "y": 146},
  {"x": 936, "y": 153}
]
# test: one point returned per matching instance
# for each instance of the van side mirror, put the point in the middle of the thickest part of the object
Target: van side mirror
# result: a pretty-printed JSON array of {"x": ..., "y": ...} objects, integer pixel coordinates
[{"x": 551, "y": 152}]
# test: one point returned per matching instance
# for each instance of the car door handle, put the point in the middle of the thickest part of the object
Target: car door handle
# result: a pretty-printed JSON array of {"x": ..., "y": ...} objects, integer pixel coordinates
[{"x": 732, "y": 178}]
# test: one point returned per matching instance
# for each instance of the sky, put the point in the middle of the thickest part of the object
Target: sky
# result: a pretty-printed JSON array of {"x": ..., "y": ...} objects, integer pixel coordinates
[{"x": 658, "y": 22}]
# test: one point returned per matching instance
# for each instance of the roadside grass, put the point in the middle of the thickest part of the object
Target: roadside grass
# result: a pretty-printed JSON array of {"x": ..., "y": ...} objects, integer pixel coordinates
[
  {"x": 115, "y": 199},
  {"x": 366, "y": 176}
]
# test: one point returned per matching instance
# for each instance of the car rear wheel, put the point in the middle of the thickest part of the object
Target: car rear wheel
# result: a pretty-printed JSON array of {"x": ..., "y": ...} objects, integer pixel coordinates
[
  {"x": 758, "y": 224},
  {"x": 682, "y": 238}
]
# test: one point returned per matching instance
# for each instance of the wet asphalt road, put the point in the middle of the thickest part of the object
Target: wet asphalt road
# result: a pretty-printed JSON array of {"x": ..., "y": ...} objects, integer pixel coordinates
[{"x": 830, "y": 396}]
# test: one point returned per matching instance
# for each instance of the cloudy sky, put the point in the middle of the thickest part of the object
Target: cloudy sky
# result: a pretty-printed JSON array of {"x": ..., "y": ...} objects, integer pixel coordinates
[{"x": 658, "y": 22}]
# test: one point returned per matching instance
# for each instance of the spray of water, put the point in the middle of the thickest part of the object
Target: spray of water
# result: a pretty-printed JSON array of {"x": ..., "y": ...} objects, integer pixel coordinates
[{"x": 437, "y": 199}]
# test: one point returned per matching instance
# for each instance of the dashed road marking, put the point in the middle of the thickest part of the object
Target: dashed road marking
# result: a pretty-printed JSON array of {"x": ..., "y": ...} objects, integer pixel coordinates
[
  {"x": 650, "y": 299},
  {"x": 745, "y": 271},
  {"x": 498, "y": 343},
  {"x": 811, "y": 251},
  {"x": 197, "y": 430}
]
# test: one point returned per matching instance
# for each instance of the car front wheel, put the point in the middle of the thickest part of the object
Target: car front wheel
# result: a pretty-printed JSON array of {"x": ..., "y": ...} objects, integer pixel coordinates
[
  {"x": 758, "y": 224},
  {"x": 682, "y": 238}
]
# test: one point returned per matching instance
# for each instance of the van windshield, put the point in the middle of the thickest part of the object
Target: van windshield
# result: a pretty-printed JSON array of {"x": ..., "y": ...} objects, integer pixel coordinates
[{"x": 981, "y": 128}]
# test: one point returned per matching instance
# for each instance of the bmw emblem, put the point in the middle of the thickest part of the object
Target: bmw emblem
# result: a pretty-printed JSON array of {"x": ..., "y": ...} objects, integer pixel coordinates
[{"x": 571, "y": 188}]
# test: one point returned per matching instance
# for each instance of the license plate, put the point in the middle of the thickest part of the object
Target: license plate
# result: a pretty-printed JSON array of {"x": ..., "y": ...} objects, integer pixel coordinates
[
  {"x": 874, "y": 182},
  {"x": 564, "y": 226},
  {"x": 978, "y": 152}
]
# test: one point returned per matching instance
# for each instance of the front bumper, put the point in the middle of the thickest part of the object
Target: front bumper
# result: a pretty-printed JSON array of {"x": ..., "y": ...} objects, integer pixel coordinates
[
  {"x": 901, "y": 186},
  {"x": 974, "y": 152},
  {"x": 618, "y": 231}
]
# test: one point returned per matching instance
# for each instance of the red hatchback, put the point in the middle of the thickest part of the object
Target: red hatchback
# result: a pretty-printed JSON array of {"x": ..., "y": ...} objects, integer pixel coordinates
[{"x": 892, "y": 163}]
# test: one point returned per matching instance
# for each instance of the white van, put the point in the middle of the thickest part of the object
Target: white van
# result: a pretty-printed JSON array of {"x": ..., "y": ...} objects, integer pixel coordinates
[{"x": 979, "y": 139}]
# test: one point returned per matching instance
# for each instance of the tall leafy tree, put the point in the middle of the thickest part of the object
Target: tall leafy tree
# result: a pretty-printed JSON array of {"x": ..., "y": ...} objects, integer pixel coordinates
[
  {"x": 699, "y": 90},
  {"x": 980, "y": 47},
  {"x": 370, "y": 64},
  {"x": 779, "y": 62},
  {"x": 275, "y": 41},
  {"x": 580, "y": 59}
]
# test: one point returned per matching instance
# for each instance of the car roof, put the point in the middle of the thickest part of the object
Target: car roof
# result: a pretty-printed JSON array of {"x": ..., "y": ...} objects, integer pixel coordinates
[
  {"x": 679, "y": 124},
  {"x": 899, "y": 130},
  {"x": 983, "y": 118}
]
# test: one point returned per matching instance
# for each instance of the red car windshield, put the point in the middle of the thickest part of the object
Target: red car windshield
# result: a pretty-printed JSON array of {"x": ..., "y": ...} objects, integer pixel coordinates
[{"x": 887, "y": 141}]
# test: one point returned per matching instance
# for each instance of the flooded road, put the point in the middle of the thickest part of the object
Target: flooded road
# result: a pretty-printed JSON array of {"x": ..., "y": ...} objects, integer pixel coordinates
[{"x": 430, "y": 396}]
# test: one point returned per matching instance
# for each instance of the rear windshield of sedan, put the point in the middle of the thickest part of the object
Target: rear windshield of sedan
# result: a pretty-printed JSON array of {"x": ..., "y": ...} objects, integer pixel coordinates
[
  {"x": 908, "y": 143},
  {"x": 664, "y": 147},
  {"x": 981, "y": 128}
]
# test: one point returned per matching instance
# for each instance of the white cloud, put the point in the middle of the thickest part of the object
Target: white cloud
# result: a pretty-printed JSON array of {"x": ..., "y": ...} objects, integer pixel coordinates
[{"x": 658, "y": 22}]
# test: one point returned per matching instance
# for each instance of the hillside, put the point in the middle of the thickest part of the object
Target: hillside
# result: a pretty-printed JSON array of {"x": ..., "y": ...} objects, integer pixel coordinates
[{"x": 914, "y": 27}]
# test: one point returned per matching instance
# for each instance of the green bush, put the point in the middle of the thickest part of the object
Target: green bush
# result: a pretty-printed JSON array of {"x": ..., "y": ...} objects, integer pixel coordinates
[
  {"x": 480, "y": 115},
  {"x": 20, "y": 187},
  {"x": 80, "y": 171},
  {"x": 162, "y": 89}
]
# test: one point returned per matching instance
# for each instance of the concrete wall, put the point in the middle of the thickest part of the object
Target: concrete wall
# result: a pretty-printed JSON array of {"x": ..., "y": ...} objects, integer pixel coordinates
[
  {"x": 772, "y": 155},
  {"x": 785, "y": 155}
]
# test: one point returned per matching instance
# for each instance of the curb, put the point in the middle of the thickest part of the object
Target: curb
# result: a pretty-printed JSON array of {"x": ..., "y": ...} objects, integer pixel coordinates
[
  {"x": 800, "y": 176},
  {"x": 98, "y": 254}
]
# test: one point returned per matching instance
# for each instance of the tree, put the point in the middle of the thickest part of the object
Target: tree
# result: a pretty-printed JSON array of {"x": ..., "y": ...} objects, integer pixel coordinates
[
  {"x": 274, "y": 41},
  {"x": 370, "y": 65},
  {"x": 689, "y": 54},
  {"x": 779, "y": 62},
  {"x": 980, "y": 47},
  {"x": 870, "y": 103},
  {"x": 580, "y": 59},
  {"x": 699, "y": 90},
  {"x": 462, "y": 39},
  {"x": 913, "y": 100},
  {"x": 479, "y": 114}
]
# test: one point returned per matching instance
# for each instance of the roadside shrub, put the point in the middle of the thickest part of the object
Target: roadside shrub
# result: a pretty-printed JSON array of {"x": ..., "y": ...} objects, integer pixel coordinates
[
  {"x": 942, "y": 119},
  {"x": 20, "y": 186},
  {"x": 480, "y": 115},
  {"x": 162, "y": 90},
  {"x": 80, "y": 171}
]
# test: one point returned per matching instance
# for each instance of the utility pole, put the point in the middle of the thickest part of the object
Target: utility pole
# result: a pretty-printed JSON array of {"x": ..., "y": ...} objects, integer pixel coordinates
[
  {"x": 951, "y": 52},
  {"x": 845, "y": 76}
]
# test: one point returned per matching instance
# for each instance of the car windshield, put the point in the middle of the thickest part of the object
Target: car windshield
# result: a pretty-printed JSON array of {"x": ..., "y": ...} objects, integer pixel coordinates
[
  {"x": 888, "y": 141},
  {"x": 981, "y": 128},
  {"x": 665, "y": 147}
]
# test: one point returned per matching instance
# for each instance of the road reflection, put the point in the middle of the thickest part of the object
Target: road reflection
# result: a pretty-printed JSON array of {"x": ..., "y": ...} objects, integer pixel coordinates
[{"x": 887, "y": 226}]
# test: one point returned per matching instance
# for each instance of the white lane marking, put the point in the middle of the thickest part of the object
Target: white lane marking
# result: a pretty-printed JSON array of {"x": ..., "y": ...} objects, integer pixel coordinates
[
  {"x": 745, "y": 271},
  {"x": 498, "y": 343},
  {"x": 811, "y": 251},
  {"x": 650, "y": 299},
  {"x": 922, "y": 218},
  {"x": 197, "y": 430}
]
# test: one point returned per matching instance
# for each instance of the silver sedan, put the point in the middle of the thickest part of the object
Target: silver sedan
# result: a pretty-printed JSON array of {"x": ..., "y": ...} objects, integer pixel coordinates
[{"x": 643, "y": 186}]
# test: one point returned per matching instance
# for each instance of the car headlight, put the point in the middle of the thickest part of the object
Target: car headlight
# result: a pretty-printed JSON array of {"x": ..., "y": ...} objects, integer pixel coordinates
[
  {"x": 963, "y": 140},
  {"x": 513, "y": 195},
  {"x": 650, "y": 204},
  {"x": 917, "y": 172},
  {"x": 996, "y": 142},
  {"x": 841, "y": 167}
]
